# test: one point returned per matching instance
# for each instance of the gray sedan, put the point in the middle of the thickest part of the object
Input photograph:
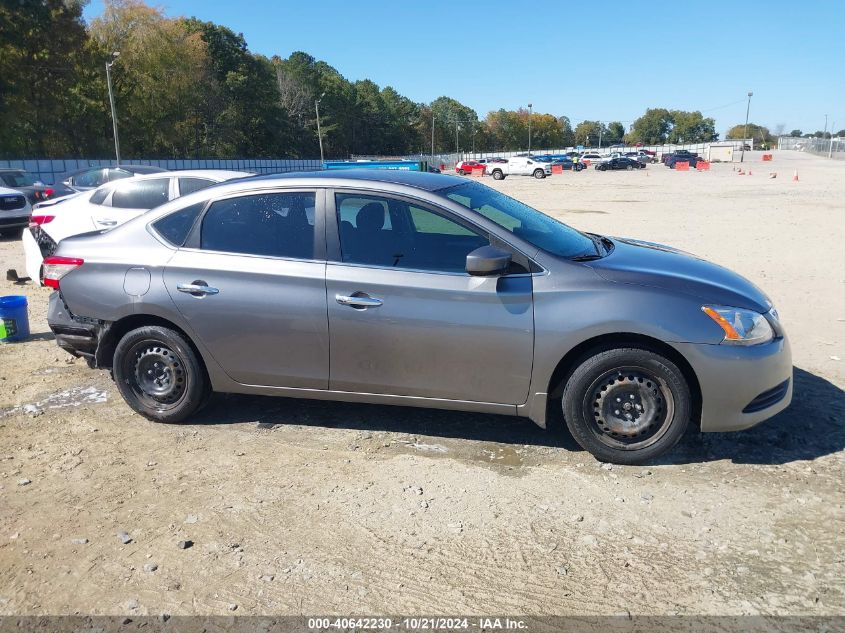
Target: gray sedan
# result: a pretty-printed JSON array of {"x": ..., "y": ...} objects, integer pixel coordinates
[{"x": 421, "y": 290}]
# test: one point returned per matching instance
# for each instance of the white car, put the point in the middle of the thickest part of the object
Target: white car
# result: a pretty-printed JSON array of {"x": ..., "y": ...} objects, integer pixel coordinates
[
  {"x": 108, "y": 206},
  {"x": 14, "y": 211},
  {"x": 520, "y": 166},
  {"x": 594, "y": 157}
]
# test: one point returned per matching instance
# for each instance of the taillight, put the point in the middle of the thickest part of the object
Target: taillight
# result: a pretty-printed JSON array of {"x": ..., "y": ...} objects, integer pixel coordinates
[
  {"x": 38, "y": 220},
  {"x": 49, "y": 192},
  {"x": 55, "y": 268}
]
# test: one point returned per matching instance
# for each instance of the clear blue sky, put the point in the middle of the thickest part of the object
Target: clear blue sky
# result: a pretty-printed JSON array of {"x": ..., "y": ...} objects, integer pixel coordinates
[{"x": 606, "y": 61}]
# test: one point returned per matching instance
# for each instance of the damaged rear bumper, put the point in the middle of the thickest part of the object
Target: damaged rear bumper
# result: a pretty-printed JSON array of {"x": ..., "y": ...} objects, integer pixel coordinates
[{"x": 78, "y": 336}]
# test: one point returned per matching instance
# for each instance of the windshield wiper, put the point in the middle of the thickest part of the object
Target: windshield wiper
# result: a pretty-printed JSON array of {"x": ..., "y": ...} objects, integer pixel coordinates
[{"x": 587, "y": 257}]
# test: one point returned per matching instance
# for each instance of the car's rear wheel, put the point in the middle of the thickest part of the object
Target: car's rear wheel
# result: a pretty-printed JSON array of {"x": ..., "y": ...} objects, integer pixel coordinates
[
  {"x": 498, "y": 175},
  {"x": 629, "y": 167},
  {"x": 627, "y": 405},
  {"x": 159, "y": 374},
  {"x": 461, "y": 172},
  {"x": 539, "y": 174}
]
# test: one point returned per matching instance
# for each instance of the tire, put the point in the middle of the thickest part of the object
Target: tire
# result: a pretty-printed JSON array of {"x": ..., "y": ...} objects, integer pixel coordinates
[
  {"x": 601, "y": 167},
  {"x": 629, "y": 167},
  {"x": 498, "y": 175},
  {"x": 655, "y": 405},
  {"x": 461, "y": 172},
  {"x": 180, "y": 387},
  {"x": 539, "y": 174}
]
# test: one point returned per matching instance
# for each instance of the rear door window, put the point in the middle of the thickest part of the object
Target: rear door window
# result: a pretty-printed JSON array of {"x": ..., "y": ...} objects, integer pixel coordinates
[
  {"x": 143, "y": 194},
  {"x": 268, "y": 225}
]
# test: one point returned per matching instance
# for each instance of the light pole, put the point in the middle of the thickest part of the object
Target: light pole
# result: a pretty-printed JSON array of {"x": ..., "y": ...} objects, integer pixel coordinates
[
  {"x": 600, "y": 131},
  {"x": 432, "y": 135},
  {"x": 529, "y": 129},
  {"x": 456, "y": 136},
  {"x": 745, "y": 133},
  {"x": 111, "y": 102},
  {"x": 319, "y": 132}
]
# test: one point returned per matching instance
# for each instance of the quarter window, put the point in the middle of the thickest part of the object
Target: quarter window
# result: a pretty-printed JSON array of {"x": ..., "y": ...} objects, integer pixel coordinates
[
  {"x": 175, "y": 227},
  {"x": 190, "y": 185},
  {"x": 270, "y": 225},
  {"x": 393, "y": 233},
  {"x": 142, "y": 194}
]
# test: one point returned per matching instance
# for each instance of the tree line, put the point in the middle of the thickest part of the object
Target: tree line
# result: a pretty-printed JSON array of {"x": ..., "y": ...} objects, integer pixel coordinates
[{"x": 187, "y": 88}]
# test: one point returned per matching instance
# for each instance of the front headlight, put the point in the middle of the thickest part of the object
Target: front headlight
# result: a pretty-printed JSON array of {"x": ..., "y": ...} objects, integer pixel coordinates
[{"x": 741, "y": 327}]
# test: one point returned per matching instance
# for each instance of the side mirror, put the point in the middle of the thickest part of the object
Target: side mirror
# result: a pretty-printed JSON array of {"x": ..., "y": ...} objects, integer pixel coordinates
[{"x": 488, "y": 260}]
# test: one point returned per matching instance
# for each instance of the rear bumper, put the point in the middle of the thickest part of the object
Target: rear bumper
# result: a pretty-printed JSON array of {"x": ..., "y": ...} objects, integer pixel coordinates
[
  {"x": 76, "y": 336},
  {"x": 740, "y": 386},
  {"x": 11, "y": 220}
]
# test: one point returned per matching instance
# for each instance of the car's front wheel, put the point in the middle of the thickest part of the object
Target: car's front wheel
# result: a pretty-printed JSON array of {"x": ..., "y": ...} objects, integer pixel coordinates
[
  {"x": 159, "y": 374},
  {"x": 627, "y": 405},
  {"x": 498, "y": 175},
  {"x": 539, "y": 174}
]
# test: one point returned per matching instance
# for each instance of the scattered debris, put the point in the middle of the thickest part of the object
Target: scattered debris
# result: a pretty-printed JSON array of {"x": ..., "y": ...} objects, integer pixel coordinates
[
  {"x": 150, "y": 567},
  {"x": 124, "y": 537},
  {"x": 185, "y": 544}
]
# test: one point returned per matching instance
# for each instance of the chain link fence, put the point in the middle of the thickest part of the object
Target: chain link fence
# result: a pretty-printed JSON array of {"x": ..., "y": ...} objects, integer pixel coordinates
[{"x": 828, "y": 147}]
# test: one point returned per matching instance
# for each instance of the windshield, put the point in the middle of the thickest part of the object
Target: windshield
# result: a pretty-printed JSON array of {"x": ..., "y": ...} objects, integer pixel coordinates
[
  {"x": 18, "y": 179},
  {"x": 526, "y": 223}
]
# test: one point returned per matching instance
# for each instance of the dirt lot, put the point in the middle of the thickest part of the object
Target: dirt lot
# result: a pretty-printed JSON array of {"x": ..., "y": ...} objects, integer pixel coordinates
[{"x": 307, "y": 507}]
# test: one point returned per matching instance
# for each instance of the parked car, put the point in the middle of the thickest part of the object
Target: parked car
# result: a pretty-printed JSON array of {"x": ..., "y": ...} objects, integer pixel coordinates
[
  {"x": 108, "y": 206},
  {"x": 621, "y": 162},
  {"x": 417, "y": 289},
  {"x": 30, "y": 186},
  {"x": 466, "y": 166},
  {"x": 681, "y": 154},
  {"x": 92, "y": 177},
  {"x": 561, "y": 160},
  {"x": 592, "y": 158},
  {"x": 15, "y": 211},
  {"x": 520, "y": 166},
  {"x": 675, "y": 158}
]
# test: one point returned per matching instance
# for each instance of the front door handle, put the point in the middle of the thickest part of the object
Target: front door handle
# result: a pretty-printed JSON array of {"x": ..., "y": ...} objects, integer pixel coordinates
[
  {"x": 197, "y": 289},
  {"x": 359, "y": 302},
  {"x": 106, "y": 222}
]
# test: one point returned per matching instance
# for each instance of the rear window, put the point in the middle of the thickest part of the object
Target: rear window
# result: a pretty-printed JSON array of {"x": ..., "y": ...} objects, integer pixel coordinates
[
  {"x": 18, "y": 179},
  {"x": 174, "y": 228}
]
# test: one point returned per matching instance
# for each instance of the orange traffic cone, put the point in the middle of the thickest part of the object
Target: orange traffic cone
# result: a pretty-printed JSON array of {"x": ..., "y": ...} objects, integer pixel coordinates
[{"x": 795, "y": 176}]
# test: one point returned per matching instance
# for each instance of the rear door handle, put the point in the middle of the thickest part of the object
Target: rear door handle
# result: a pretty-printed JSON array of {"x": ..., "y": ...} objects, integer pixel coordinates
[
  {"x": 197, "y": 289},
  {"x": 107, "y": 222},
  {"x": 361, "y": 301}
]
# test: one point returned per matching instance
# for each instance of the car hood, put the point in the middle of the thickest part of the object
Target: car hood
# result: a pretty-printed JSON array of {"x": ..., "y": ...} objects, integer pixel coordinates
[{"x": 659, "y": 266}]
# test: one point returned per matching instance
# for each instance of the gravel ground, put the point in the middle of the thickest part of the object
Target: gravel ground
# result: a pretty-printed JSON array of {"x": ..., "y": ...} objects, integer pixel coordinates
[{"x": 277, "y": 506}]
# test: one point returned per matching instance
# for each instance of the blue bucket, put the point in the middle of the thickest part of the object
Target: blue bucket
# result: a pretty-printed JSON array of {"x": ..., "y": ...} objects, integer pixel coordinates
[{"x": 14, "y": 321}]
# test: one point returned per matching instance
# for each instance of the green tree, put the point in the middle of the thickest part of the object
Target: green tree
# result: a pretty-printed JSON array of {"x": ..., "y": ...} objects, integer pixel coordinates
[
  {"x": 588, "y": 133},
  {"x": 50, "y": 104},
  {"x": 652, "y": 128},
  {"x": 757, "y": 132},
  {"x": 796, "y": 133},
  {"x": 615, "y": 133},
  {"x": 691, "y": 127},
  {"x": 567, "y": 136},
  {"x": 453, "y": 123}
]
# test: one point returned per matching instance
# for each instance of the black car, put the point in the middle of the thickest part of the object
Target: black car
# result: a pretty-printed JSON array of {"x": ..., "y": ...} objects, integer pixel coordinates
[
  {"x": 681, "y": 154},
  {"x": 30, "y": 186},
  {"x": 562, "y": 160},
  {"x": 93, "y": 177},
  {"x": 677, "y": 157},
  {"x": 622, "y": 162}
]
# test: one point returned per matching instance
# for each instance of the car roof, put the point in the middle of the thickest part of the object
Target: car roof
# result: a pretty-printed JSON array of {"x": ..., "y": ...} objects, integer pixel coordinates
[{"x": 417, "y": 179}]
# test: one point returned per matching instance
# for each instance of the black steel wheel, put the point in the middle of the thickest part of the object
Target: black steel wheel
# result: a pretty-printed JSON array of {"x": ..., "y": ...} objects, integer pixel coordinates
[
  {"x": 627, "y": 405},
  {"x": 159, "y": 374}
]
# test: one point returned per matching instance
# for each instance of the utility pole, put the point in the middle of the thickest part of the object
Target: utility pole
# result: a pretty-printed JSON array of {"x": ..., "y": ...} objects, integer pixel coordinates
[
  {"x": 111, "y": 102},
  {"x": 319, "y": 132},
  {"x": 830, "y": 145},
  {"x": 456, "y": 136},
  {"x": 529, "y": 129},
  {"x": 432, "y": 135},
  {"x": 600, "y": 131},
  {"x": 745, "y": 133}
]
